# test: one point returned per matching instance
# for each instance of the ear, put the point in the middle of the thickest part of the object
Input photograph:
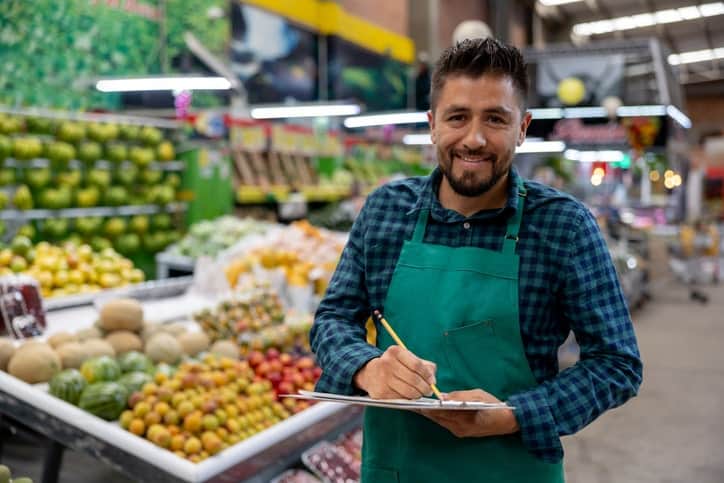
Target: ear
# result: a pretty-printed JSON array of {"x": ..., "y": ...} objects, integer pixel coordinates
[
  {"x": 524, "y": 123},
  {"x": 431, "y": 122}
]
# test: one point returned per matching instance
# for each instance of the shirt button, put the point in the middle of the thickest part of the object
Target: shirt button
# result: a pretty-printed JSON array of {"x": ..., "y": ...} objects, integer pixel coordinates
[{"x": 466, "y": 225}]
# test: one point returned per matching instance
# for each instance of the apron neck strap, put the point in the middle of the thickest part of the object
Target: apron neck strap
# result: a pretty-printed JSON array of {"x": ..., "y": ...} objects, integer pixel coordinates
[
  {"x": 421, "y": 226},
  {"x": 511, "y": 237}
]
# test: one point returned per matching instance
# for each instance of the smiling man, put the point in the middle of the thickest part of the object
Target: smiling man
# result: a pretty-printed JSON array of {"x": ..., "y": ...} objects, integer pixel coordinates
[{"x": 483, "y": 275}]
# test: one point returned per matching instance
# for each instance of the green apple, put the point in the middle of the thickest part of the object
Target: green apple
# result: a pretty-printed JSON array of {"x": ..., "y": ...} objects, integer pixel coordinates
[{"x": 23, "y": 199}]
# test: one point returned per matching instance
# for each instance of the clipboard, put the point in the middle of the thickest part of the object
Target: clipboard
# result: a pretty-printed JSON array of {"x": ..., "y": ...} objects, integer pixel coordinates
[{"x": 422, "y": 403}]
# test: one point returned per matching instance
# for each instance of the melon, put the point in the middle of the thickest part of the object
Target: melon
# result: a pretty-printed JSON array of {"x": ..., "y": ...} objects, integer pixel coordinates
[
  {"x": 135, "y": 362},
  {"x": 164, "y": 348},
  {"x": 194, "y": 342},
  {"x": 225, "y": 348},
  {"x": 124, "y": 341},
  {"x": 122, "y": 314},
  {"x": 98, "y": 347},
  {"x": 57, "y": 340},
  {"x": 72, "y": 355},
  {"x": 89, "y": 334},
  {"x": 68, "y": 385},
  {"x": 34, "y": 364},
  {"x": 7, "y": 349}
]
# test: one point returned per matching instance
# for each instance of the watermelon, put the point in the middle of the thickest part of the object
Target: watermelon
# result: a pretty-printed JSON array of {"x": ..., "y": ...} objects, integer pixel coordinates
[
  {"x": 135, "y": 361},
  {"x": 134, "y": 381},
  {"x": 68, "y": 385},
  {"x": 107, "y": 400},
  {"x": 103, "y": 368}
]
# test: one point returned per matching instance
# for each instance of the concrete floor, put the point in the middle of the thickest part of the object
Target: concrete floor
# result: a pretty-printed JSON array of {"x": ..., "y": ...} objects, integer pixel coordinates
[{"x": 673, "y": 432}]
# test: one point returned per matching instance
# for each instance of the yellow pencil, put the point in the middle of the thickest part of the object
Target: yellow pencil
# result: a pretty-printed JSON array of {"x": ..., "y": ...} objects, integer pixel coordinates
[{"x": 399, "y": 342}]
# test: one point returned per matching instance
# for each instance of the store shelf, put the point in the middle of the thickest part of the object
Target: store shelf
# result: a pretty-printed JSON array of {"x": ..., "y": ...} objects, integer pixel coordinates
[
  {"x": 94, "y": 117},
  {"x": 100, "y": 164},
  {"x": 104, "y": 211},
  {"x": 165, "y": 262},
  {"x": 268, "y": 451},
  {"x": 257, "y": 195},
  {"x": 139, "y": 291}
]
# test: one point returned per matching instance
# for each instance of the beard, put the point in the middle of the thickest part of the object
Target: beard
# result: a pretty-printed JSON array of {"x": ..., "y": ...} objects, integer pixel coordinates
[{"x": 470, "y": 184}]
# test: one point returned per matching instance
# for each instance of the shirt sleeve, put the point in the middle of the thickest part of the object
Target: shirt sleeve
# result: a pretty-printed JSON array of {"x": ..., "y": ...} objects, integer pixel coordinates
[
  {"x": 609, "y": 371},
  {"x": 338, "y": 336}
]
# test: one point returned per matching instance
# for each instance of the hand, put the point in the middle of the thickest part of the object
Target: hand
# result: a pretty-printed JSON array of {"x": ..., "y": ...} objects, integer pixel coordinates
[
  {"x": 474, "y": 424},
  {"x": 396, "y": 374}
]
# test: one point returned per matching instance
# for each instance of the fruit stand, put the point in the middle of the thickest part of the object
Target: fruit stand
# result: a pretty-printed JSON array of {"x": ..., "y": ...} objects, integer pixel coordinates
[{"x": 256, "y": 456}]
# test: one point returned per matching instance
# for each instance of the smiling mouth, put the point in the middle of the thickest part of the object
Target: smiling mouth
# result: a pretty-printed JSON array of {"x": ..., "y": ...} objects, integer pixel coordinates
[{"x": 475, "y": 159}]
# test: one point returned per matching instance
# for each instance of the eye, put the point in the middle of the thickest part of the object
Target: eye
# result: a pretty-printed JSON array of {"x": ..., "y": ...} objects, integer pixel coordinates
[
  {"x": 456, "y": 118},
  {"x": 496, "y": 120}
]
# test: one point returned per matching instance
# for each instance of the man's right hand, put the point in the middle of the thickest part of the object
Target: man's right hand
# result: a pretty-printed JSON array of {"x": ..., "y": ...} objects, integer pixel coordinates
[{"x": 397, "y": 374}]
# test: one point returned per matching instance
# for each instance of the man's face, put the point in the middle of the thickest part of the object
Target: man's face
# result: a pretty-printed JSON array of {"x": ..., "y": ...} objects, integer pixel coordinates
[{"x": 476, "y": 127}]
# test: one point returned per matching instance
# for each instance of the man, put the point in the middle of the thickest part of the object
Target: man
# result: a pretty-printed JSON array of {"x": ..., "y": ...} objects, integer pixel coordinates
[{"x": 482, "y": 275}]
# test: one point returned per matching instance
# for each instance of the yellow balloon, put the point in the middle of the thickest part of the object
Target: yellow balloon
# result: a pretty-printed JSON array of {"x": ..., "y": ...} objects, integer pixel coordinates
[{"x": 571, "y": 91}]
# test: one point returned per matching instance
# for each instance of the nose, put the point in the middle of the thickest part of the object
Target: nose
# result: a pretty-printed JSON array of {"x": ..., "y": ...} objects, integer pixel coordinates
[{"x": 474, "y": 138}]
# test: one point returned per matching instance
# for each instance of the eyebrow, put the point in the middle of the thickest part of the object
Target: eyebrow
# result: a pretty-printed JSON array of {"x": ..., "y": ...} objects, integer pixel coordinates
[{"x": 491, "y": 110}]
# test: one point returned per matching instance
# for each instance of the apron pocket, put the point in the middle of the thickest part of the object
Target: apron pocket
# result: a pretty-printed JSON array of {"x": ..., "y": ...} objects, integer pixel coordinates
[
  {"x": 469, "y": 351},
  {"x": 371, "y": 474}
]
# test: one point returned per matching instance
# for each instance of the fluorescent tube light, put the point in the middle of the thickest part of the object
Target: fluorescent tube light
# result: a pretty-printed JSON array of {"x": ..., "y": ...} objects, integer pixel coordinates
[
  {"x": 541, "y": 147},
  {"x": 386, "y": 119},
  {"x": 711, "y": 9},
  {"x": 546, "y": 113},
  {"x": 689, "y": 13},
  {"x": 678, "y": 116},
  {"x": 669, "y": 15},
  {"x": 309, "y": 110},
  {"x": 633, "y": 111},
  {"x": 584, "y": 112},
  {"x": 417, "y": 139},
  {"x": 594, "y": 156},
  {"x": 163, "y": 84}
]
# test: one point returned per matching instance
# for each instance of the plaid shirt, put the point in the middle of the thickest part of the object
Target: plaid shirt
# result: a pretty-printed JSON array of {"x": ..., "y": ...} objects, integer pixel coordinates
[{"x": 567, "y": 282}]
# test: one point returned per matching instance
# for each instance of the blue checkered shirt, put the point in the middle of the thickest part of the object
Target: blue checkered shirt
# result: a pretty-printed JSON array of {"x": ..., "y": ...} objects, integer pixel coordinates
[{"x": 567, "y": 282}]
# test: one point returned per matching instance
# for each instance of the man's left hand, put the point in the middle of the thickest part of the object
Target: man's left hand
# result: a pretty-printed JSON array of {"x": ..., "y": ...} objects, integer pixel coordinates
[{"x": 474, "y": 424}]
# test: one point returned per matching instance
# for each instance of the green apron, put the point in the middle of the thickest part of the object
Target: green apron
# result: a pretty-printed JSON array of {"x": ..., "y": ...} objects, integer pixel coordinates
[{"x": 457, "y": 307}]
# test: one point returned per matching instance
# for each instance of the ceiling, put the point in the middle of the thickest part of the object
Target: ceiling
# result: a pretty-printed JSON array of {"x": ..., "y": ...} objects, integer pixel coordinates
[{"x": 676, "y": 37}]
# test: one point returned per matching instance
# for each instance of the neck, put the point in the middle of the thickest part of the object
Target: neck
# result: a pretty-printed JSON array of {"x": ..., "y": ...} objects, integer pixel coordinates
[{"x": 494, "y": 198}]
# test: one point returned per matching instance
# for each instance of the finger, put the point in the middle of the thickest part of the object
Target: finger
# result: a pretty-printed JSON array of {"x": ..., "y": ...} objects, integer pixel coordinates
[
  {"x": 424, "y": 369},
  {"x": 471, "y": 395},
  {"x": 403, "y": 388},
  {"x": 413, "y": 379}
]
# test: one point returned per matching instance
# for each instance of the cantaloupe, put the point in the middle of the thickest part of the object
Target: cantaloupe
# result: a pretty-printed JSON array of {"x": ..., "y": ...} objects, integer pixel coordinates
[
  {"x": 164, "y": 348},
  {"x": 72, "y": 354},
  {"x": 57, "y": 340},
  {"x": 124, "y": 341},
  {"x": 7, "y": 349},
  {"x": 88, "y": 334},
  {"x": 175, "y": 329},
  {"x": 225, "y": 348},
  {"x": 32, "y": 344},
  {"x": 194, "y": 342},
  {"x": 34, "y": 364},
  {"x": 98, "y": 347},
  {"x": 122, "y": 314}
]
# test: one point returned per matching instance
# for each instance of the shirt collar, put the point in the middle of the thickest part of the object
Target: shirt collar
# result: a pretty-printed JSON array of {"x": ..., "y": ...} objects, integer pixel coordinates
[{"x": 428, "y": 200}]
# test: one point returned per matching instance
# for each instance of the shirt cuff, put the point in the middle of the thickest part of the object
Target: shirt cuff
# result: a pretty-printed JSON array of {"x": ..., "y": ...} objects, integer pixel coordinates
[
  {"x": 538, "y": 428},
  {"x": 355, "y": 356}
]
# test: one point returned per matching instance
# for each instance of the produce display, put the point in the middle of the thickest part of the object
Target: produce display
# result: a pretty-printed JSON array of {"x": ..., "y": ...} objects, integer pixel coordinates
[
  {"x": 296, "y": 476},
  {"x": 331, "y": 463},
  {"x": 6, "y": 476},
  {"x": 304, "y": 253},
  {"x": 50, "y": 164},
  {"x": 68, "y": 269},
  {"x": 250, "y": 311},
  {"x": 214, "y": 236}
]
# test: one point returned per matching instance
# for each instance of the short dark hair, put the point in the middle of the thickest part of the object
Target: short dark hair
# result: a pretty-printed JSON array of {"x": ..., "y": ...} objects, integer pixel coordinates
[{"x": 475, "y": 57}]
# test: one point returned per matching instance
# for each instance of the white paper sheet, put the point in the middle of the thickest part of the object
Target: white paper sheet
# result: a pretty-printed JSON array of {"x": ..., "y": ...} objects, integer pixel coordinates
[{"x": 422, "y": 403}]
